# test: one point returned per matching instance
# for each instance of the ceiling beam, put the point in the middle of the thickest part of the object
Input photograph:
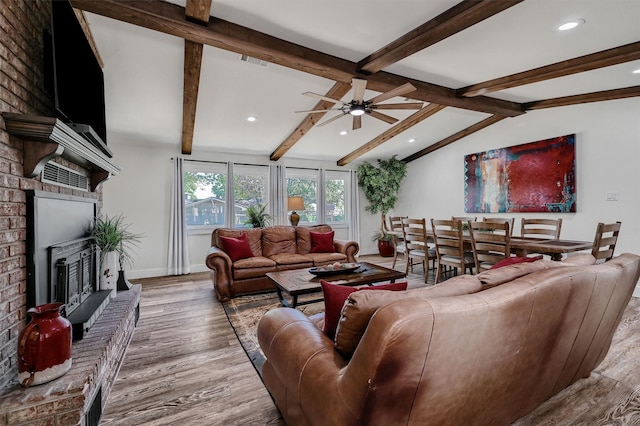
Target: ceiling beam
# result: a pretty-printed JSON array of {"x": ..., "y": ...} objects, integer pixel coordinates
[
  {"x": 170, "y": 19},
  {"x": 605, "y": 95},
  {"x": 605, "y": 58},
  {"x": 460, "y": 17},
  {"x": 455, "y": 137},
  {"x": 405, "y": 124},
  {"x": 197, "y": 11},
  {"x": 336, "y": 92}
]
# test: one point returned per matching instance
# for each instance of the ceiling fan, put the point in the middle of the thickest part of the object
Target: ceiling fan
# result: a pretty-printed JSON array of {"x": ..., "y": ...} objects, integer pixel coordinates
[{"x": 358, "y": 106}]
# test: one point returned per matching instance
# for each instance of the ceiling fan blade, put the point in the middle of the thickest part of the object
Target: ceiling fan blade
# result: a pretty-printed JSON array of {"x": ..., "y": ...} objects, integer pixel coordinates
[
  {"x": 383, "y": 117},
  {"x": 398, "y": 91},
  {"x": 311, "y": 111},
  {"x": 408, "y": 105},
  {"x": 357, "y": 122},
  {"x": 330, "y": 120},
  {"x": 359, "y": 87},
  {"x": 315, "y": 95}
]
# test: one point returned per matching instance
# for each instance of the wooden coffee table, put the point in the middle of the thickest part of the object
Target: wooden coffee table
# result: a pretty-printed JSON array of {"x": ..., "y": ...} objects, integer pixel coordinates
[{"x": 300, "y": 281}]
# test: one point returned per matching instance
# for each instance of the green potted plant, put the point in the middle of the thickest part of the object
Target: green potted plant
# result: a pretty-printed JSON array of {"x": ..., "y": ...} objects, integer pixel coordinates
[
  {"x": 381, "y": 184},
  {"x": 115, "y": 242},
  {"x": 257, "y": 217}
]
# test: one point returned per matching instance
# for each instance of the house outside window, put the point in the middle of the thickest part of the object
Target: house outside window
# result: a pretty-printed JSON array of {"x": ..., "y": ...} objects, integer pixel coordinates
[
  {"x": 304, "y": 183},
  {"x": 336, "y": 196},
  {"x": 250, "y": 188},
  {"x": 205, "y": 192}
]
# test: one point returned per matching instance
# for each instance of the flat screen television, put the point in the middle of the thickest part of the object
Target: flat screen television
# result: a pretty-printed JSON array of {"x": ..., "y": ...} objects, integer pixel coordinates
[{"x": 73, "y": 75}]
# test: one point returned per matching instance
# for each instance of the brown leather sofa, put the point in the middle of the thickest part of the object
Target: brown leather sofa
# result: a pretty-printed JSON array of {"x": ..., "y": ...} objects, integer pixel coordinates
[
  {"x": 452, "y": 354},
  {"x": 275, "y": 248}
]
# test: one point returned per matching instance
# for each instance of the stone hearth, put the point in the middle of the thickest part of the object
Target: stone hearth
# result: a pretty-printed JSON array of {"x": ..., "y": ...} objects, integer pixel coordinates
[{"x": 79, "y": 395}]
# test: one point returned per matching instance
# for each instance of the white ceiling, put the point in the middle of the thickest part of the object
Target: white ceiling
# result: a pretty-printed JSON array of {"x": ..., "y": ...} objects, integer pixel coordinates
[{"x": 144, "y": 70}]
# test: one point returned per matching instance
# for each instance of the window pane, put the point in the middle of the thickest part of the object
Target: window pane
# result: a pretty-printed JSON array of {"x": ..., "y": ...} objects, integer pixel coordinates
[
  {"x": 250, "y": 188},
  {"x": 204, "y": 193},
  {"x": 335, "y": 196},
  {"x": 307, "y": 188}
]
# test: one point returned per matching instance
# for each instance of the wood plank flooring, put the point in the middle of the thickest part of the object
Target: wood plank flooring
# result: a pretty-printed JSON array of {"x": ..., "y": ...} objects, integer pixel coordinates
[{"x": 185, "y": 366}]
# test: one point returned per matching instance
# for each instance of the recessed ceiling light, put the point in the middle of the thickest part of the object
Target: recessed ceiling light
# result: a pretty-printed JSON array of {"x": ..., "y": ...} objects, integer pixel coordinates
[
  {"x": 344, "y": 132},
  {"x": 569, "y": 25},
  {"x": 412, "y": 140},
  {"x": 636, "y": 71},
  {"x": 251, "y": 118}
]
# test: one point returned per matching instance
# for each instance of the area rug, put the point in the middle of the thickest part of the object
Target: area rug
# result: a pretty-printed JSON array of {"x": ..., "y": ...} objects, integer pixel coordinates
[{"x": 244, "y": 313}]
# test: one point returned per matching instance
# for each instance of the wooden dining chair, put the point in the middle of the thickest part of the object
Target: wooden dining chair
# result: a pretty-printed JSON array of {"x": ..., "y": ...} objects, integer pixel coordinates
[
  {"x": 395, "y": 230},
  {"x": 464, "y": 219},
  {"x": 450, "y": 250},
  {"x": 416, "y": 248},
  {"x": 604, "y": 243},
  {"x": 511, "y": 221},
  {"x": 491, "y": 243},
  {"x": 541, "y": 228}
]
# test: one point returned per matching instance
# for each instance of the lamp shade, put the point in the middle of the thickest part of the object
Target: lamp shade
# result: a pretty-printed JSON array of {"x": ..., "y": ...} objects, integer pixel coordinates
[{"x": 295, "y": 203}]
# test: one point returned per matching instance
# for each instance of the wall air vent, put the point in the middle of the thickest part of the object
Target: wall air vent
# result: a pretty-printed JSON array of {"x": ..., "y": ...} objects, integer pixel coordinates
[
  {"x": 255, "y": 61},
  {"x": 59, "y": 175}
]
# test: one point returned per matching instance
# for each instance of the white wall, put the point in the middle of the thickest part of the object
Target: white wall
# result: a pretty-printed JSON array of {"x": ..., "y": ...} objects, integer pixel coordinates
[
  {"x": 141, "y": 192},
  {"x": 608, "y": 155}
]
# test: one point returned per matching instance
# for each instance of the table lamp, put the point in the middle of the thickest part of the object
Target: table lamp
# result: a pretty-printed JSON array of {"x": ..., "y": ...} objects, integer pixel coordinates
[{"x": 293, "y": 204}]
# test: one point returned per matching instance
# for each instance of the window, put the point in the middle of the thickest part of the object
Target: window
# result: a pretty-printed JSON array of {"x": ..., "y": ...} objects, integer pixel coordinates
[
  {"x": 335, "y": 190},
  {"x": 205, "y": 194},
  {"x": 250, "y": 188},
  {"x": 304, "y": 183}
]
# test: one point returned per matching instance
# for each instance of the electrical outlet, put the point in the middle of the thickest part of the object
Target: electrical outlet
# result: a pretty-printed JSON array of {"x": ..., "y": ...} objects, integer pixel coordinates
[{"x": 612, "y": 196}]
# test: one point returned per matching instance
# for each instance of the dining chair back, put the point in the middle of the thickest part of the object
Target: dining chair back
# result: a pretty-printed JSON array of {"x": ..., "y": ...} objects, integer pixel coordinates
[
  {"x": 510, "y": 220},
  {"x": 491, "y": 243},
  {"x": 450, "y": 250},
  {"x": 395, "y": 230},
  {"x": 415, "y": 240},
  {"x": 545, "y": 228},
  {"x": 604, "y": 243}
]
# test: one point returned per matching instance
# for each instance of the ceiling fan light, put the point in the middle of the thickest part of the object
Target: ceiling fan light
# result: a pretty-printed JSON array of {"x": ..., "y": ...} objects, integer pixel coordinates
[{"x": 356, "y": 110}]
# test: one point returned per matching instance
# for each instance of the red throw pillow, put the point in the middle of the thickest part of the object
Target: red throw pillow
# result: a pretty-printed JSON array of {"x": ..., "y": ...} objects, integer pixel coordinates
[
  {"x": 513, "y": 260},
  {"x": 322, "y": 242},
  {"x": 237, "y": 248},
  {"x": 335, "y": 296}
]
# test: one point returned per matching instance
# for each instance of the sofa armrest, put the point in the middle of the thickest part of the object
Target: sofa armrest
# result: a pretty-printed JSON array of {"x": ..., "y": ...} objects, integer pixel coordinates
[
  {"x": 220, "y": 264},
  {"x": 349, "y": 248}
]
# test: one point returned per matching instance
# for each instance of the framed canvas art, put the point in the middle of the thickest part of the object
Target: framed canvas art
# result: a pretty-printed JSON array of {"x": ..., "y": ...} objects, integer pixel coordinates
[{"x": 533, "y": 177}]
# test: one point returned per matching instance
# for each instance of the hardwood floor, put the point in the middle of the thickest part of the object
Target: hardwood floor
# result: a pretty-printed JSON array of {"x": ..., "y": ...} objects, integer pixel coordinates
[{"x": 185, "y": 365}]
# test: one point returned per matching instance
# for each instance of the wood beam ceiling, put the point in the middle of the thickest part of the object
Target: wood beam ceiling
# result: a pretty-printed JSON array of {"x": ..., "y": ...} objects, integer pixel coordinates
[{"x": 605, "y": 95}]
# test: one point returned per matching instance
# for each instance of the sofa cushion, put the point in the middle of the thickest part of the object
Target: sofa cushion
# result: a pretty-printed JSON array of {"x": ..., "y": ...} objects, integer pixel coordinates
[
  {"x": 320, "y": 259},
  {"x": 278, "y": 240},
  {"x": 303, "y": 236},
  {"x": 322, "y": 242},
  {"x": 253, "y": 234},
  {"x": 360, "y": 307},
  {"x": 514, "y": 260},
  {"x": 291, "y": 259},
  {"x": 237, "y": 248},
  {"x": 335, "y": 296}
]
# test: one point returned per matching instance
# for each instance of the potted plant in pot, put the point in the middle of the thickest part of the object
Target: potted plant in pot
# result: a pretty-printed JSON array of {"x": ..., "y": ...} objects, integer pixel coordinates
[
  {"x": 257, "y": 217},
  {"x": 381, "y": 184},
  {"x": 115, "y": 242}
]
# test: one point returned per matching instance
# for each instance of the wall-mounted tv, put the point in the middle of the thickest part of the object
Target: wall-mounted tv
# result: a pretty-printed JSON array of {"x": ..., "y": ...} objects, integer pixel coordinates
[{"x": 73, "y": 76}]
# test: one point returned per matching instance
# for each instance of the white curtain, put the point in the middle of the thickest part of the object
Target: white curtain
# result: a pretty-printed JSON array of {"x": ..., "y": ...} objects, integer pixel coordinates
[
  {"x": 278, "y": 194},
  {"x": 178, "y": 262},
  {"x": 354, "y": 219}
]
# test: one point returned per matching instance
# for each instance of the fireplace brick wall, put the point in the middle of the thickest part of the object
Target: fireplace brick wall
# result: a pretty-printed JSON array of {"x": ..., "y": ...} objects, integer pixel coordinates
[{"x": 21, "y": 91}]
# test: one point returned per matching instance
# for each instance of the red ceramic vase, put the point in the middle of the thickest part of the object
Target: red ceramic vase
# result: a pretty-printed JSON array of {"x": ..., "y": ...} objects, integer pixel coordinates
[
  {"x": 385, "y": 248},
  {"x": 44, "y": 346}
]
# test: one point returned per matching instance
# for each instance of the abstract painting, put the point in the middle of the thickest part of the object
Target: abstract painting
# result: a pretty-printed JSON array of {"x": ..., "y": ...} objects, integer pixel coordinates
[{"x": 533, "y": 177}]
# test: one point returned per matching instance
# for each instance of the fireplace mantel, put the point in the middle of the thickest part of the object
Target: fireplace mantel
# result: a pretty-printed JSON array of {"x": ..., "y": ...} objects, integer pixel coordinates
[{"x": 46, "y": 138}]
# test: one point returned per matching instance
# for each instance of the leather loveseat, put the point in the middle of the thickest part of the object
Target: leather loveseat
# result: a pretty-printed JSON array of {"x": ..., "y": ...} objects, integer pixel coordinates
[
  {"x": 275, "y": 248},
  {"x": 485, "y": 349}
]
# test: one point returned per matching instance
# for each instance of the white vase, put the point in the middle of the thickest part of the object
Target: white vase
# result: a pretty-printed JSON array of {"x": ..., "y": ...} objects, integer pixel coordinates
[{"x": 109, "y": 273}]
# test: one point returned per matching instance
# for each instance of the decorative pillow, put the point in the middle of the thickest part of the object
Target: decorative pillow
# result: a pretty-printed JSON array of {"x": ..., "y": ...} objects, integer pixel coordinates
[
  {"x": 335, "y": 296},
  {"x": 360, "y": 307},
  {"x": 237, "y": 248},
  {"x": 322, "y": 242},
  {"x": 514, "y": 260}
]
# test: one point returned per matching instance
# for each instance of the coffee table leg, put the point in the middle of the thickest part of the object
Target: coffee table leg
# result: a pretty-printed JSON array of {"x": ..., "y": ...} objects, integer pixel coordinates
[{"x": 294, "y": 299}]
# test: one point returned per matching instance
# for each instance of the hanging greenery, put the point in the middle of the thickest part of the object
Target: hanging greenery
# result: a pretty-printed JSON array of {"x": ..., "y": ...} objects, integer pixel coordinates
[{"x": 381, "y": 184}]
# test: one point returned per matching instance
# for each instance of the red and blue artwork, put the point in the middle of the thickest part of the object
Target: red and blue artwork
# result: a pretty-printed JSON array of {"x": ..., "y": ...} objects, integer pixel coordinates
[{"x": 533, "y": 177}]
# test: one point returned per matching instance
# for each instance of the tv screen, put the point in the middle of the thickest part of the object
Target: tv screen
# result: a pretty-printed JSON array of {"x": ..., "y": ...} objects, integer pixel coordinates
[{"x": 74, "y": 75}]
